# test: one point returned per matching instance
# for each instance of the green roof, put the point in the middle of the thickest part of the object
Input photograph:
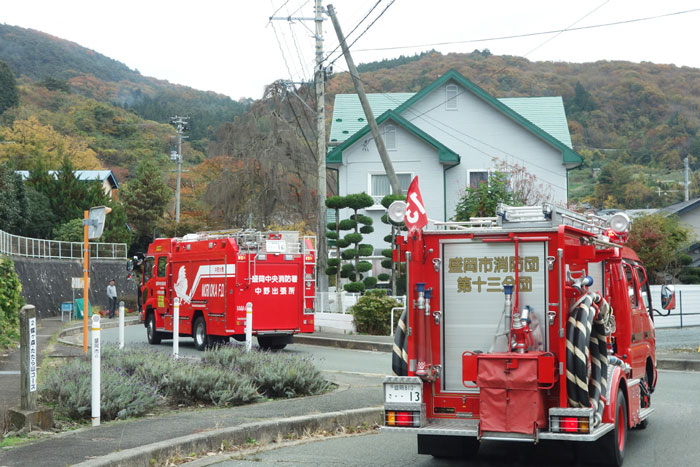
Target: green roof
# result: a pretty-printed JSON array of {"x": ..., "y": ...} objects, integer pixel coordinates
[
  {"x": 545, "y": 112},
  {"x": 543, "y": 116},
  {"x": 445, "y": 154},
  {"x": 349, "y": 118}
]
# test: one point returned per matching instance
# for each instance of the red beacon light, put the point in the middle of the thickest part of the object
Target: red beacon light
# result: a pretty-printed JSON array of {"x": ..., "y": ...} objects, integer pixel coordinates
[{"x": 619, "y": 228}]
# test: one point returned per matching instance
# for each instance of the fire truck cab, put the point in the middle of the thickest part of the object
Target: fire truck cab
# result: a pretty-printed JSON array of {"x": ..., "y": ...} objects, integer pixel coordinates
[
  {"x": 216, "y": 276},
  {"x": 533, "y": 325}
]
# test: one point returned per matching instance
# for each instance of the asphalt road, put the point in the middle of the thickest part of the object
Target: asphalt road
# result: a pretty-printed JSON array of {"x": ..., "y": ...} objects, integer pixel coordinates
[
  {"x": 670, "y": 439},
  {"x": 326, "y": 358}
]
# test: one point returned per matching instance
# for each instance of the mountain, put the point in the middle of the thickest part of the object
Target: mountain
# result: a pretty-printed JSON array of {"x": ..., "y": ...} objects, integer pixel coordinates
[{"x": 38, "y": 56}]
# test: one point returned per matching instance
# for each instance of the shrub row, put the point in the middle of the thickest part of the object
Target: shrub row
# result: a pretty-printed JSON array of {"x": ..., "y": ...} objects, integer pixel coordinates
[{"x": 135, "y": 381}]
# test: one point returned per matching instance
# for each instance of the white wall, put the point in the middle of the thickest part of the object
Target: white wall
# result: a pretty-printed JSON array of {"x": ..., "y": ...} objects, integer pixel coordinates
[
  {"x": 479, "y": 133},
  {"x": 412, "y": 155}
]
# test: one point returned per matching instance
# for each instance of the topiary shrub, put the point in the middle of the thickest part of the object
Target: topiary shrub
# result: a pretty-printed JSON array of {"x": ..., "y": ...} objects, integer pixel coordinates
[
  {"x": 364, "y": 266},
  {"x": 372, "y": 313},
  {"x": 383, "y": 277},
  {"x": 370, "y": 282},
  {"x": 354, "y": 287}
]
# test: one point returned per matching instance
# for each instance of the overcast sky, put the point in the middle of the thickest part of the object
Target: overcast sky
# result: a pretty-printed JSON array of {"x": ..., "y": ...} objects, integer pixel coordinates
[{"x": 229, "y": 46}]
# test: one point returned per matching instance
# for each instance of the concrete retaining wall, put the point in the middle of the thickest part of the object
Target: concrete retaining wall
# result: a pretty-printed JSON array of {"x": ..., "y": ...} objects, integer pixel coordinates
[{"x": 46, "y": 283}]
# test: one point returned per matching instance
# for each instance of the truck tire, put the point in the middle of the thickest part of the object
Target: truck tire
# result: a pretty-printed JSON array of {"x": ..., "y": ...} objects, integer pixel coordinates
[
  {"x": 448, "y": 447},
  {"x": 202, "y": 340},
  {"x": 615, "y": 442},
  {"x": 274, "y": 343},
  {"x": 153, "y": 336}
]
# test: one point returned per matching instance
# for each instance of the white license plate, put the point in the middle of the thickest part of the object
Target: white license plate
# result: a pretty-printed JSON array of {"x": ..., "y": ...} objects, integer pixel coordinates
[{"x": 403, "y": 392}]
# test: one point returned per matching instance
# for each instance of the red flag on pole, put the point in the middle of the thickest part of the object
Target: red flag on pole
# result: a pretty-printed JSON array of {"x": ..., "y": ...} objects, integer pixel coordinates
[{"x": 416, "y": 217}]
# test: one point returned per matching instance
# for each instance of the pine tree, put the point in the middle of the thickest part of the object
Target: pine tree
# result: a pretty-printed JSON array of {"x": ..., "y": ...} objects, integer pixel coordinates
[
  {"x": 9, "y": 97},
  {"x": 145, "y": 199}
]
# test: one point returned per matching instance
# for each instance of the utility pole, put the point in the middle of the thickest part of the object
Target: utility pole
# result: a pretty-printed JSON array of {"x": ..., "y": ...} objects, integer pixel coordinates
[
  {"x": 320, "y": 86},
  {"x": 687, "y": 184},
  {"x": 181, "y": 125},
  {"x": 383, "y": 154},
  {"x": 320, "y": 78}
]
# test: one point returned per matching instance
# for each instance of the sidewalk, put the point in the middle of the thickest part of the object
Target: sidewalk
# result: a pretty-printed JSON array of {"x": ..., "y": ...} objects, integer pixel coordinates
[{"x": 135, "y": 442}]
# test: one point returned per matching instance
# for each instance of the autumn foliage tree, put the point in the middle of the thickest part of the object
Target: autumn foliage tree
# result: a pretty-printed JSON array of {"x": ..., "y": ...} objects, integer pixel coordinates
[{"x": 660, "y": 242}]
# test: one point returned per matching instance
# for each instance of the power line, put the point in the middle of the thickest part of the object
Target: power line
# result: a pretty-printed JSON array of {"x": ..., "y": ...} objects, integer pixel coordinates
[
  {"x": 531, "y": 34},
  {"x": 284, "y": 56},
  {"x": 366, "y": 29},
  {"x": 353, "y": 29}
]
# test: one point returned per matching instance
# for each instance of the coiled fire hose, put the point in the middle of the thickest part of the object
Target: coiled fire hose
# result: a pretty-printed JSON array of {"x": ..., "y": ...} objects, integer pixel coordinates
[
  {"x": 399, "y": 357},
  {"x": 586, "y": 335}
]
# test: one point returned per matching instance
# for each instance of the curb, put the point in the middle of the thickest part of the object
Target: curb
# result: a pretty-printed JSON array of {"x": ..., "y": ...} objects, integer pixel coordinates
[
  {"x": 343, "y": 343},
  {"x": 678, "y": 364},
  {"x": 262, "y": 432},
  {"x": 79, "y": 329}
]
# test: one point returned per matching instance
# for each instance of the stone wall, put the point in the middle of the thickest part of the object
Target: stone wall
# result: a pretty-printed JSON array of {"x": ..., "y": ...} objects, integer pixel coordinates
[{"x": 46, "y": 283}]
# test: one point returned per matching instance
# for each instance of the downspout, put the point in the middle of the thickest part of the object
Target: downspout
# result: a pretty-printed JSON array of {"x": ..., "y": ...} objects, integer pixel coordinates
[{"x": 444, "y": 190}]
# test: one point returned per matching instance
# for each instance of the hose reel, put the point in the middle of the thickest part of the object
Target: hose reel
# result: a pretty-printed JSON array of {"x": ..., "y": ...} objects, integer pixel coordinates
[{"x": 586, "y": 335}]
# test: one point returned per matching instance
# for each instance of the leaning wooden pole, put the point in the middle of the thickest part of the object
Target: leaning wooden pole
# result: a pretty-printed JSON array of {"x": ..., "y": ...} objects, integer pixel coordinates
[
  {"x": 383, "y": 154},
  {"x": 86, "y": 266}
]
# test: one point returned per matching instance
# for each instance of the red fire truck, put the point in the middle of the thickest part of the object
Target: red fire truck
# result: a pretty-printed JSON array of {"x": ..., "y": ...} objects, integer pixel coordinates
[
  {"x": 533, "y": 325},
  {"x": 216, "y": 274}
]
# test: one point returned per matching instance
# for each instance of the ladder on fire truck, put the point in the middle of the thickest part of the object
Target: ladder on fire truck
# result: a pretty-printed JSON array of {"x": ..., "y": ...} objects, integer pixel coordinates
[
  {"x": 254, "y": 243},
  {"x": 528, "y": 217}
]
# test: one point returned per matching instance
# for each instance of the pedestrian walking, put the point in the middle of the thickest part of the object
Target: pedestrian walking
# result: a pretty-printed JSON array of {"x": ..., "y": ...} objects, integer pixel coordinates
[{"x": 112, "y": 296}]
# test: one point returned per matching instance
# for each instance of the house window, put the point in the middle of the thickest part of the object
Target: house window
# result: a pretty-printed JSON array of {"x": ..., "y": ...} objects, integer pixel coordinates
[
  {"x": 451, "y": 97},
  {"x": 380, "y": 186},
  {"x": 390, "y": 137},
  {"x": 477, "y": 177}
]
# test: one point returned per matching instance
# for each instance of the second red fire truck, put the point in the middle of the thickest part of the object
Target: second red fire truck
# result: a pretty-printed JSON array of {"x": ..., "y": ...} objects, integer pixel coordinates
[
  {"x": 217, "y": 275},
  {"x": 535, "y": 325}
]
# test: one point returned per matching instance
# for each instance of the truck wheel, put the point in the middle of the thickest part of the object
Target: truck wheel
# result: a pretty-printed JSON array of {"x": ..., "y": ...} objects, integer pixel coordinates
[
  {"x": 274, "y": 343},
  {"x": 448, "y": 447},
  {"x": 615, "y": 442},
  {"x": 154, "y": 336},
  {"x": 199, "y": 332}
]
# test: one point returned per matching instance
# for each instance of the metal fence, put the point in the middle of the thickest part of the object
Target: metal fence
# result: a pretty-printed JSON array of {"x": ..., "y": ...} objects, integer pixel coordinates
[
  {"x": 686, "y": 312},
  {"x": 326, "y": 302},
  {"x": 15, "y": 245}
]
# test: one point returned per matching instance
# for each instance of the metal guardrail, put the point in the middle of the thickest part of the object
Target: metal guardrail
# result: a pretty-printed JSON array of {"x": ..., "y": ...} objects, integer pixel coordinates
[{"x": 16, "y": 245}]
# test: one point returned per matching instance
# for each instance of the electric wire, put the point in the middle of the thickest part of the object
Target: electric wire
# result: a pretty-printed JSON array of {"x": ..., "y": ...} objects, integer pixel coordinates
[
  {"x": 353, "y": 30},
  {"x": 531, "y": 34},
  {"x": 363, "y": 32}
]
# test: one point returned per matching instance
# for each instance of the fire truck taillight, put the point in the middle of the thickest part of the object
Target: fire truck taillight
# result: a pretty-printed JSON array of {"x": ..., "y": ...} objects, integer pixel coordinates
[
  {"x": 562, "y": 424},
  {"x": 308, "y": 258},
  {"x": 241, "y": 257},
  {"x": 401, "y": 418}
]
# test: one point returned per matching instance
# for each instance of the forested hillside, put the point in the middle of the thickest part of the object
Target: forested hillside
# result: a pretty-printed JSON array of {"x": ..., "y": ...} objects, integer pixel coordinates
[{"x": 38, "y": 56}]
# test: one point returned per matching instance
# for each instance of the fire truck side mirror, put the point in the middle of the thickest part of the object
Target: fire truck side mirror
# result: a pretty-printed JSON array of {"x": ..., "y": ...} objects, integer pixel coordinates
[{"x": 668, "y": 297}]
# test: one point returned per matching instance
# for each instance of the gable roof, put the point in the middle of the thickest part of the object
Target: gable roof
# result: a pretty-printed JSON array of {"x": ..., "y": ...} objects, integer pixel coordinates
[
  {"x": 543, "y": 116},
  {"x": 349, "y": 118},
  {"x": 681, "y": 208},
  {"x": 445, "y": 154},
  {"x": 569, "y": 156},
  {"x": 100, "y": 175}
]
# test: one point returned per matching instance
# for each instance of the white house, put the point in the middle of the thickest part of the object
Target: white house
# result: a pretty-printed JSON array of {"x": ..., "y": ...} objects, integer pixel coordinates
[
  {"x": 106, "y": 177},
  {"x": 451, "y": 134}
]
